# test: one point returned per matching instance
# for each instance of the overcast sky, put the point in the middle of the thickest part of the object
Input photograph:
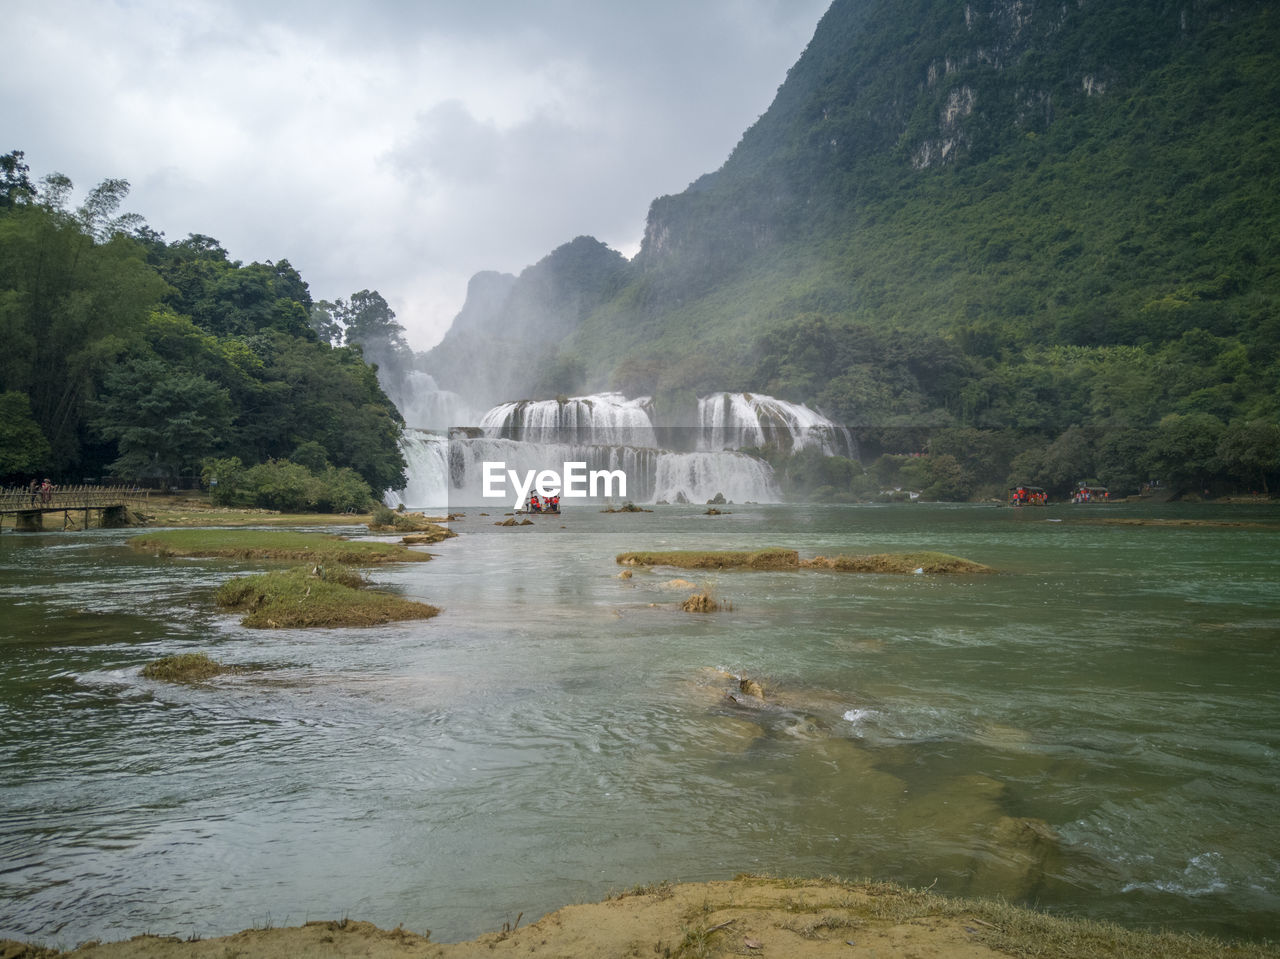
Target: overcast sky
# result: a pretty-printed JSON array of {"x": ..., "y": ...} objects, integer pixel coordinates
[{"x": 393, "y": 145}]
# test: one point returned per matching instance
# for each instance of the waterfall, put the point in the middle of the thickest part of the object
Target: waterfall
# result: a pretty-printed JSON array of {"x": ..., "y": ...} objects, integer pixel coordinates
[
  {"x": 738, "y": 421},
  {"x": 603, "y": 418},
  {"x": 426, "y": 457},
  {"x": 449, "y": 471},
  {"x": 606, "y": 432},
  {"x": 446, "y": 472},
  {"x": 698, "y": 477}
]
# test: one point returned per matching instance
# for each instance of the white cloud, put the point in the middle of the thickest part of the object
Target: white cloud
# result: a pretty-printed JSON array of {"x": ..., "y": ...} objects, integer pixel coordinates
[{"x": 394, "y": 146}]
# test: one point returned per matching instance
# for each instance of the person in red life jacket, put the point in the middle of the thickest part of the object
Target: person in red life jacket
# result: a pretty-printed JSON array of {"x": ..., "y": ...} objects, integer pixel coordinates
[
  {"x": 555, "y": 504},
  {"x": 534, "y": 504}
]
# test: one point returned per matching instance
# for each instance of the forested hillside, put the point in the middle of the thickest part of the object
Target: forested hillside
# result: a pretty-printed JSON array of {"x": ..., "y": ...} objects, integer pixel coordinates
[
  {"x": 1036, "y": 240},
  {"x": 130, "y": 358}
]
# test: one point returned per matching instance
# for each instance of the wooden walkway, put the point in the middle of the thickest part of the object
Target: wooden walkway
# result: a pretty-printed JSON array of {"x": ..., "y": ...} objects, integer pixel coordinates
[{"x": 28, "y": 510}]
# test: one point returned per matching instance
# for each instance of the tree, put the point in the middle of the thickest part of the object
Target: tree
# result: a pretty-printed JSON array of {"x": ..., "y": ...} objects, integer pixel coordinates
[
  {"x": 1183, "y": 449},
  {"x": 15, "y": 185},
  {"x": 325, "y": 323},
  {"x": 23, "y": 448},
  {"x": 1058, "y": 465},
  {"x": 309, "y": 392},
  {"x": 97, "y": 215},
  {"x": 984, "y": 454},
  {"x": 68, "y": 307},
  {"x": 1119, "y": 457},
  {"x": 938, "y": 477},
  {"x": 228, "y": 299},
  {"x": 285, "y": 485},
  {"x": 371, "y": 323},
  {"x": 1251, "y": 450},
  {"x": 164, "y": 422}
]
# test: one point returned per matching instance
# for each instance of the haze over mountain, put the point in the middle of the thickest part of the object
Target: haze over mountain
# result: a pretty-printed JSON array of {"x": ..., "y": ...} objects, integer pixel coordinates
[{"x": 1000, "y": 214}]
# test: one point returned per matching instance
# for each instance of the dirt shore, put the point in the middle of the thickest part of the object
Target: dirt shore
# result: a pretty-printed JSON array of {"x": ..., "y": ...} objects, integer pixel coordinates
[{"x": 747, "y": 916}]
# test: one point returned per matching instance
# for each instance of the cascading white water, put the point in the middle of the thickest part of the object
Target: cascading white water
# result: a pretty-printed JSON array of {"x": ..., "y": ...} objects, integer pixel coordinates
[
  {"x": 699, "y": 477},
  {"x": 450, "y": 471},
  {"x": 602, "y": 419},
  {"x": 737, "y": 421},
  {"x": 609, "y": 432},
  {"x": 426, "y": 457}
]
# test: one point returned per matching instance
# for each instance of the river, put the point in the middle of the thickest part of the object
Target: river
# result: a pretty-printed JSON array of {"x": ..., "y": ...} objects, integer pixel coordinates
[{"x": 1093, "y": 730}]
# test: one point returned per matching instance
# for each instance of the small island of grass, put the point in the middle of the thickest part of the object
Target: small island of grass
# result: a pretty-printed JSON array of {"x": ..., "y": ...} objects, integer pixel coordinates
[
  {"x": 919, "y": 562},
  {"x": 789, "y": 559},
  {"x": 771, "y": 558},
  {"x": 315, "y": 596},
  {"x": 274, "y": 544},
  {"x": 186, "y": 668}
]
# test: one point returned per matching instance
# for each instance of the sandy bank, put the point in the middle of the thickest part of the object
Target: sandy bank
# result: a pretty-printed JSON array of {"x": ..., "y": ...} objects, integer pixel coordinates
[{"x": 752, "y": 916}]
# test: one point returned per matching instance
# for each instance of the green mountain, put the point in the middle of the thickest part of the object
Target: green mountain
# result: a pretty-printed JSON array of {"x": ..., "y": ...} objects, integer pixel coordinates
[{"x": 1014, "y": 216}]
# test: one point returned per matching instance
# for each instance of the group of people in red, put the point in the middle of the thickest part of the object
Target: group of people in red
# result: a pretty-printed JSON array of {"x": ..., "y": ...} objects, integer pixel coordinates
[
  {"x": 1029, "y": 496},
  {"x": 1086, "y": 494},
  {"x": 41, "y": 492},
  {"x": 549, "y": 504}
]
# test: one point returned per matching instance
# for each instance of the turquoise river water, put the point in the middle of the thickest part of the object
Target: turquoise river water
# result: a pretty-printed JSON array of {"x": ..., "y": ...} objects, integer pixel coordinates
[{"x": 1094, "y": 730}]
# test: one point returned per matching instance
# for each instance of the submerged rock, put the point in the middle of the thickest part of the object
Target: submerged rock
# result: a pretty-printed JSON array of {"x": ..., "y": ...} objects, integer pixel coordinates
[
  {"x": 417, "y": 523},
  {"x": 704, "y": 603},
  {"x": 431, "y": 533},
  {"x": 751, "y": 688}
]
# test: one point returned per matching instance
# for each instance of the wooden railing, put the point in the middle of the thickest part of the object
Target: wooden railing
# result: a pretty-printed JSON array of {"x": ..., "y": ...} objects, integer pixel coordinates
[{"x": 20, "y": 499}]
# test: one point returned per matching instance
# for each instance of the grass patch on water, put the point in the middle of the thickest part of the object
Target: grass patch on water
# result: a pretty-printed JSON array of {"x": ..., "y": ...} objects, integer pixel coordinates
[
  {"x": 775, "y": 558},
  {"x": 771, "y": 558},
  {"x": 274, "y": 544},
  {"x": 185, "y": 668},
  {"x": 924, "y": 562},
  {"x": 315, "y": 596}
]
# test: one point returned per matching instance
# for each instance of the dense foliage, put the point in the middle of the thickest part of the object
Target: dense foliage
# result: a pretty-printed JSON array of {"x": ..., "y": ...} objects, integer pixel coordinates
[
  {"x": 284, "y": 485},
  {"x": 130, "y": 357}
]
